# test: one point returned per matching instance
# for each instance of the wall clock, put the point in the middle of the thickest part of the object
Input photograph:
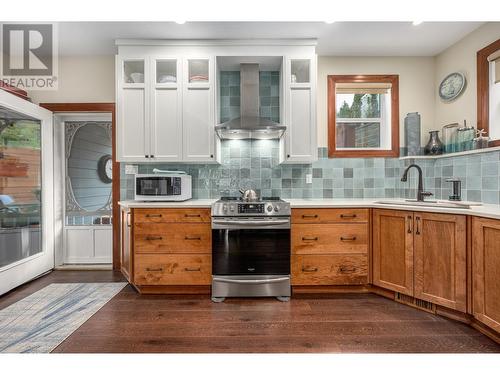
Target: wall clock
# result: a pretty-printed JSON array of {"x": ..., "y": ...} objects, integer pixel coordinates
[
  {"x": 452, "y": 86},
  {"x": 105, "y": 169}
]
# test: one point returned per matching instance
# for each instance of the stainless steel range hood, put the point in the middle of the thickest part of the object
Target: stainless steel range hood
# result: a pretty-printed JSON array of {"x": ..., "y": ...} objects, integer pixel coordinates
[{"x": 250, "y": 125}]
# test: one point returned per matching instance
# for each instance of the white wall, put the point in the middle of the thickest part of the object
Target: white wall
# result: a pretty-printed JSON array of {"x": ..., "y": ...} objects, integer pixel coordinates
[
  {"x": 416, "y": 86},
  {"x": 462, "y": 57},
  {"x": 82, "y": 79}
]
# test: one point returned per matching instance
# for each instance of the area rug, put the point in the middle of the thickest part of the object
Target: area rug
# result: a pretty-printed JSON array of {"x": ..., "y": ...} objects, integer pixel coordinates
[{"x": 44, "y": 319}]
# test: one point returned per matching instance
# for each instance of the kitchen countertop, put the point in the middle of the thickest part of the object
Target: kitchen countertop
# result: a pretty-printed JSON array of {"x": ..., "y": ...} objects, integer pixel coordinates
[{"x": 486, "y": 210}]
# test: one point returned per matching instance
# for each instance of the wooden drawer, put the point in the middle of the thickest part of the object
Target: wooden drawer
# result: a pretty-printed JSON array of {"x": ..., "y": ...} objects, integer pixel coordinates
[
  {"x": 329, "y": 269},
  {"x": 172, "y": 238},
  {"x": 329, "y": 215},
  {"x": 178, "y": 269},
  {"x": 329, "y": 238},
  {"x": 172, "y": 215}
]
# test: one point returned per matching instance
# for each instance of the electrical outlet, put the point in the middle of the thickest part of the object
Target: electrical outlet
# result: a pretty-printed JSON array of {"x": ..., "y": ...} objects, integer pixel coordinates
[
  {"x": 309, "y": 178},
  {"x": 131, "y": 169}
]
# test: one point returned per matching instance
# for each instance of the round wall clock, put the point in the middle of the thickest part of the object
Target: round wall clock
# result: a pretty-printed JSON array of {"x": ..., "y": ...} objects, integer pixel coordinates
[
  {"x": 105, "y": 169},
  {"x": 452, "y": 86}
]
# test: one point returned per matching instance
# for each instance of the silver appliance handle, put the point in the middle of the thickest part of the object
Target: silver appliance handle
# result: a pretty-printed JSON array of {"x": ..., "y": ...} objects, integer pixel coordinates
[
  {"x": 253, "y": 282},
  {"x": 251, "y": 222}
]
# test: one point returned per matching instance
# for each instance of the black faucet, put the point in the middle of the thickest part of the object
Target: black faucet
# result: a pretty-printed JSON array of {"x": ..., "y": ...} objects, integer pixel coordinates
[{"x": 420, "y": 189}]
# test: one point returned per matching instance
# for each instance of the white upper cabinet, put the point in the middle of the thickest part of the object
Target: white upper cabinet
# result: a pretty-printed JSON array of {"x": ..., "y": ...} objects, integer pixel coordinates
[
  {"x": 166, "y": 97},
  {"x": 132, "y": 114},
  {"x": 198, "y": 110},
  {"x": 300, "y": 97},
  {"x": 166, "y": 109}
]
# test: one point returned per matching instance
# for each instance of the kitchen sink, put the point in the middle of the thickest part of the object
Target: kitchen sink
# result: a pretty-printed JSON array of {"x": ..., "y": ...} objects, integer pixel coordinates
[{"x": 429, "y": 203}]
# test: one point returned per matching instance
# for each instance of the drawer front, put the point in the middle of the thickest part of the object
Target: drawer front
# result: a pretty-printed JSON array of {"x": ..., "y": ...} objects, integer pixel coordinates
[
  {"x": 329, "y": 269},
  {"x": 164, "y": 269},
  {"x": 329, "y": 238},
  {"x": 172, "y": 238},
  {"x": 329, "y": 215},
  {"x": 171, "y": 215}
]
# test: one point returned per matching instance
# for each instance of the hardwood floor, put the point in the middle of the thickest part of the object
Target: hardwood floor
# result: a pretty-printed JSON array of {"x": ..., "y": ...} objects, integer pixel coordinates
[{"x": 361, "y": 323}]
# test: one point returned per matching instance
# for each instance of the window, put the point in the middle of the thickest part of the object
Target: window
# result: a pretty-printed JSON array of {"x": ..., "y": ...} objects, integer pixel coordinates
[{"x": 363, "y": 116}]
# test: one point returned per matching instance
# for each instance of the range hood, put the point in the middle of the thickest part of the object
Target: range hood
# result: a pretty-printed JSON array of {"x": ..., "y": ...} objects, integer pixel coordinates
[{"x": 250, "y": 125}]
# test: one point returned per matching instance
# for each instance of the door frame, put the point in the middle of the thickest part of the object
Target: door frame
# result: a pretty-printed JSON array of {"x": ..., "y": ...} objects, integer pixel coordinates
[
  {"x": 68, "y": 108},
  {"x": 28, "y": 268}
]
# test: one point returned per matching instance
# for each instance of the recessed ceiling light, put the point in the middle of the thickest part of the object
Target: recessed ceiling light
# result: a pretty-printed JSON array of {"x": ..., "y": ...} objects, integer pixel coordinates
[
  {"x": 329, "y": 22},
  {"x": 416, "y": 23},
  {"x": 180, "y": 22}
]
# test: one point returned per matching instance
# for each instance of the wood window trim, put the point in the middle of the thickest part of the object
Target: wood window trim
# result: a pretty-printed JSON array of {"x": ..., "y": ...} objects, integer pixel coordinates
[
  {"x": 483, "y": 88},
  {"x": 393, "y": 79},
  {"x": 115, "y": 184}
]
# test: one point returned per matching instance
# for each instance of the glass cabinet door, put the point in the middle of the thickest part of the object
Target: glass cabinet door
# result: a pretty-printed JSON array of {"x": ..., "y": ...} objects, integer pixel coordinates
[
  {"x": 198, "y": 71},
  {"x": 300, "y": 71},
  {"x": 133, "y": 71},
  {"x": 166, "y": 71}
]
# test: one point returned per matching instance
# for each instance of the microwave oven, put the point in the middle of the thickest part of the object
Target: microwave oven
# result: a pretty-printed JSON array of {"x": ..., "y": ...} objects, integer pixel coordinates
[{"x": 163, "y": 187}]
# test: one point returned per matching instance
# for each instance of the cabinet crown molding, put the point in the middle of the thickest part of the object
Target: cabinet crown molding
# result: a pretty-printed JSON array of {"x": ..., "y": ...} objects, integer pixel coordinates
[{"x": 216, "y": 42}]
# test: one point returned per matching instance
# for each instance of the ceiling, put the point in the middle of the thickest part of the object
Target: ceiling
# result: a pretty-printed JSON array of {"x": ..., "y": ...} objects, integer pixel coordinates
[{"x": 336, "y": 39}]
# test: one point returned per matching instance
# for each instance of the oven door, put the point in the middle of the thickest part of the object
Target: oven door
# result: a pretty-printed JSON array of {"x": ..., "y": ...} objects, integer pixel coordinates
[{"x": 250, "y": 246}]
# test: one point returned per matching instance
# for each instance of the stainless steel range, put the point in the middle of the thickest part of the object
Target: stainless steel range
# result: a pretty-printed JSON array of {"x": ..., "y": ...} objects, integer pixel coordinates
[{"x": 250, "y": 248}]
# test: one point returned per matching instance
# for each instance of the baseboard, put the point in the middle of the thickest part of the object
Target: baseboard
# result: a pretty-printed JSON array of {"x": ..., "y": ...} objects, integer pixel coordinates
[
  {"x": 307, "y": 289},
  {"x": 84, "y": 267},
  {"x": 173, "y": 289}
]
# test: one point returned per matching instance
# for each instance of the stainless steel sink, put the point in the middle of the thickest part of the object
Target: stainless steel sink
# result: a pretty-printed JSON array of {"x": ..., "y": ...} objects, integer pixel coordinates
[{"x": 413, "y": 202}]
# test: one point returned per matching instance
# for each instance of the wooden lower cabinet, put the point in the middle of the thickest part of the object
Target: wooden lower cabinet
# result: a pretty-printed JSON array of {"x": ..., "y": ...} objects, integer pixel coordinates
[
  {"x": 422, "y": 255},
  {"x": 486, "y": 271},
  {"x": 126, "y": 248},
  {"x": 168, "y": 269},
  {"x": 440, "y": 245},
  {"x": 393, "y": 250},
  {"x": 344, "y": 269}
]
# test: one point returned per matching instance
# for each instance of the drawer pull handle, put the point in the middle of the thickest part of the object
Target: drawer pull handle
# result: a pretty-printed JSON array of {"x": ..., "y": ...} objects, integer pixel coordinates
[
  {"x": 187, "y": 269},
  {"x": 310, "y": 238},
  {"x": 192, "y": 238},
  {"x": 192, "y": 215},
  {"x": 309, "y": 216},
  {"x": 348, "y": 216},
  {"x": 309, "y": 269},
  {"x": 347, "y": 239},
  {"x": 154, "y": 269},
  {"x": 347, "y": 269},
  {"x": 154, "y": 238},
  {"x": 153, "y": 215}
]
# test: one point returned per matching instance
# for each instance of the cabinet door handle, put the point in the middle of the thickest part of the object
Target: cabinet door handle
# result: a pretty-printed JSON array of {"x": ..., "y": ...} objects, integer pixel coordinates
[
  {"x": 189, "y": 238},
  {"x": 309, "y": 269},
  {"x": 154, "y": 238},
  {"x": 347, "y": 269},
  {"x": 153, "y": 215},
  {"x": 348, "y": 216},
  {"x": 187, "y": 269},
  {"x": 417, "y": 220},
  {"x": 154, "y": 269},
  {"x": 309, "y": 216},
  {"x": 346, "y": 239},
  {"x": 310, "y": 238},
  {"x": 409, "y": 224},
  {"x": 128, "y": 220},
  {"x": 192, "y": 215}
]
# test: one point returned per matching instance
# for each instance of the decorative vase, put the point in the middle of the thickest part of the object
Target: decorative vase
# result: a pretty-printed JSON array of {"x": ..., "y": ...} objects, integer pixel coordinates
[{"x": 434, "y": 146}]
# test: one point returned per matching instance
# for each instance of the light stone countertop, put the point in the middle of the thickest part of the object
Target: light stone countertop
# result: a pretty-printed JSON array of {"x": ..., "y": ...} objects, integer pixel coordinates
[{"x": 486, "y": 210}]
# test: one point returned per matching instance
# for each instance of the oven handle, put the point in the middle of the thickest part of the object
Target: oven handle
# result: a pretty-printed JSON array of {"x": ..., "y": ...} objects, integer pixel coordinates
[
  {"x": 230, "y": 281},
  {"x": 250, "y": 222}
]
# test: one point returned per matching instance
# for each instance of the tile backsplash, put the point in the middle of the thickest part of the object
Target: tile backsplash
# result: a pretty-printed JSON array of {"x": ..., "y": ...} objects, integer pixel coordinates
[{"x": 254, "y": 164}]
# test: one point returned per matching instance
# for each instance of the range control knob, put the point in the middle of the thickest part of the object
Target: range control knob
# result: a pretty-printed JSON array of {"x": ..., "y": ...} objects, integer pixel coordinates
[
  {"x": 269, "y": 208},
  {"x": 224, "y": 207},
  {"x": 276, "y": 208}
]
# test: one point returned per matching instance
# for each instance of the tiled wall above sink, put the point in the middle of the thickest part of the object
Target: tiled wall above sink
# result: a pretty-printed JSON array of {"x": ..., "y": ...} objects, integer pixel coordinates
[{"x": 254, "y": 164}]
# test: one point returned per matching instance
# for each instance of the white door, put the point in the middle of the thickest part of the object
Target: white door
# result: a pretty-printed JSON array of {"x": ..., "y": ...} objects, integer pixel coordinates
[{"x": 26, "y": 208}]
